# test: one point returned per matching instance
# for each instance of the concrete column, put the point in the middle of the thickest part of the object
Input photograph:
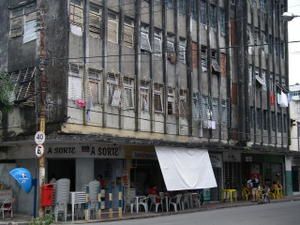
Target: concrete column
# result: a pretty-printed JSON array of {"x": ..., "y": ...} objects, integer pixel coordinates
[{"x": 288, "y": 176}]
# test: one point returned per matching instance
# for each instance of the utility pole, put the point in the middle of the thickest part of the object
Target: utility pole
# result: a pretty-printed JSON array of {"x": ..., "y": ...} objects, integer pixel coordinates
[{"x": 43, "y": 84}]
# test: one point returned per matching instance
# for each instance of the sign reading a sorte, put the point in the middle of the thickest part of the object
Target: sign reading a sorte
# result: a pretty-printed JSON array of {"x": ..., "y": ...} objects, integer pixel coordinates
[{"x": 113, "y": 151}]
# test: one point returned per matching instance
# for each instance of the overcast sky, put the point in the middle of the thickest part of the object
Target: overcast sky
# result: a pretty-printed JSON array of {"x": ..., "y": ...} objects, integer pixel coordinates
[{"x": 294, "y": 49}]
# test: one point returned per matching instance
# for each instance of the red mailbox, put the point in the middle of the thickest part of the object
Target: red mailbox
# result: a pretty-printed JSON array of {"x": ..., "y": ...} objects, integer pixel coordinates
[{"x": 47, "y": 195}]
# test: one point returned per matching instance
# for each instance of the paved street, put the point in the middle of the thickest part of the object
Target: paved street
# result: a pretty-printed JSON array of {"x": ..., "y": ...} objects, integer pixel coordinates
[{"x": 286, "y": 213}]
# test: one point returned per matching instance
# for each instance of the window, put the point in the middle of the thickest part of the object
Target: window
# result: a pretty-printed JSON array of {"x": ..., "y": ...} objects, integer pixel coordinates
[
  {"x": 158, "y": 103},
  {"x": 113, "y": 90},
  {"x": 181, "y": 51},
  {"x": 128, "y": 37},
  {"x": 195, "y": 55},
  {"x": 95, "y": 18},
  {"x": 171, "y": 102},
  {"x": 182, "y": 7},
  {"x": 224, "y": 111},
  {"x": 76, "y": 13},
  {"x": 144, "y": 97},
  {"x": 213, "y": 16},
  {"x": 30, "y": 29},
  {"x": 265, "y": 122},
  {"x": 203, "y": 17},
  {"x": 112, "y": 28},
  {"x": 259, "y": 119},
  {"x": 279, "y": 122},
  {"x": 157, "y": 48},
  {"x": 273, "y": 121},
  {"x": 252, "y": 119},
  {"x": 222, "y": 21},
  {"x": 170, "y": 4},
  {"x": 183, "y": 103},
  {"x": 250, "y": 77},
  {"x": 74, "y": 82},
  {"x": 194, "y": 9},
  {"x": 94, "y": 82},
  {"x": 270, "y": 44},
  {"x": 145, "y": 43},
  {"x": 128, "y": 93},
  {"x": 23, "y": 21},
  {"x": 204, "y": 58},
  {"x": 171, "y": 51},
  {"x": 284, "y": 123}
]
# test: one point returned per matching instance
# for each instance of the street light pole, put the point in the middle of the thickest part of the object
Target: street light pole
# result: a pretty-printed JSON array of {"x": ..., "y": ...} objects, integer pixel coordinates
[
  {"x": 43, "y": 85},
  {"x": 287, "y": 16}
]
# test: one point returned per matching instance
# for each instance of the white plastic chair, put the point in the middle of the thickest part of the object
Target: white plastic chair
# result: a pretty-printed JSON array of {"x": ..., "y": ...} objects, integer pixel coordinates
[
  {"x": 154, "y": 203},
  {"x": 62, "y": 197},
  {"x": 143, "y": 201},
  {"x": 176, "y": 201},
  {"x": 6, "y": 206},
  {"x": 93, "y": 193}
]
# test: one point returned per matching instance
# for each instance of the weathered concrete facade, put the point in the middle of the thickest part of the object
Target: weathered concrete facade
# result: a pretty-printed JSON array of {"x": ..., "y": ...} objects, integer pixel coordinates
[{"x": 189, "y": 73}]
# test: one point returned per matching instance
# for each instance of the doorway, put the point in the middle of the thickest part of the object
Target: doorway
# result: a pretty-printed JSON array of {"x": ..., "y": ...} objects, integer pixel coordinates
[{"x": 62, "y": 168}]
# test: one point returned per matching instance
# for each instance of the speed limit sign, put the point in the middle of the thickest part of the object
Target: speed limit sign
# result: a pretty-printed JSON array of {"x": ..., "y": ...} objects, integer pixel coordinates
[
  {"x": 39, "y": 150},
  {"x": 39, "y": 138}
]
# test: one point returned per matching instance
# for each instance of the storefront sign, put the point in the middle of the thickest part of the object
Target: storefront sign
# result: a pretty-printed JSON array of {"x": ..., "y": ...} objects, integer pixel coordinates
[
  {"x": 216, "y": 160},
  {"x": 232, "y": 157},
  {"x": 144, "y": 155},
  {"x": 111, "y": 151}
]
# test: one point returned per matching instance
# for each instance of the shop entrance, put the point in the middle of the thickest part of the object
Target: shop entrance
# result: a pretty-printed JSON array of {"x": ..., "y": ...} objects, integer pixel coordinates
[
  {"x": 144, "y": 174},
  {"x": 62, "y": 168},
  {"x": 295, "y": 178}
]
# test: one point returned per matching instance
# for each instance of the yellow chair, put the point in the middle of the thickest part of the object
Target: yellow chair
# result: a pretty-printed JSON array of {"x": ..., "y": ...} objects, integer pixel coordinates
[
  {"x": 230, "y": 194},
  {"x": 245, "y": 193}
]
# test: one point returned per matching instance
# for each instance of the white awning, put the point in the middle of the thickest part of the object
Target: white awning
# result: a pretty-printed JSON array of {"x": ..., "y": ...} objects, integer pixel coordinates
[{"x": 185, "y": 169}]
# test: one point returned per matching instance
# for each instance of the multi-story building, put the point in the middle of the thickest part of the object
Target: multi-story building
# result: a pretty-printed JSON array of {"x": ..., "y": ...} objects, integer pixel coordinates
[
  {"x": 295, "y": 135},
  {"x": 127, "y": 77}
]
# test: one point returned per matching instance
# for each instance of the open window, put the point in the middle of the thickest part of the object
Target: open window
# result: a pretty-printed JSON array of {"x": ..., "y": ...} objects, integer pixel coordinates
[
  {"x": 23, "y": 21},
  {"x": 113, "y": 90},
  {"x": 171, "y": 50},
  {"x": 171, "y": 101},
  {"x": 204, "y": 58},
  {"x": 128, "y": 93},
  {"x": 128, "y": 37},
  {"x": 182, "y": 51},
  {"x": 144, "y": 97},
  {"x": 145, "y": 43},
  {"x": 158, "y": 98},
  {"x": 157, "y": 45}
]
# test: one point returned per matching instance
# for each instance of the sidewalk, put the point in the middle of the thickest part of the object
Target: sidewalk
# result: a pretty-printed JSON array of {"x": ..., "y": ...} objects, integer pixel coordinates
[{"x": 25, "y": 220}]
